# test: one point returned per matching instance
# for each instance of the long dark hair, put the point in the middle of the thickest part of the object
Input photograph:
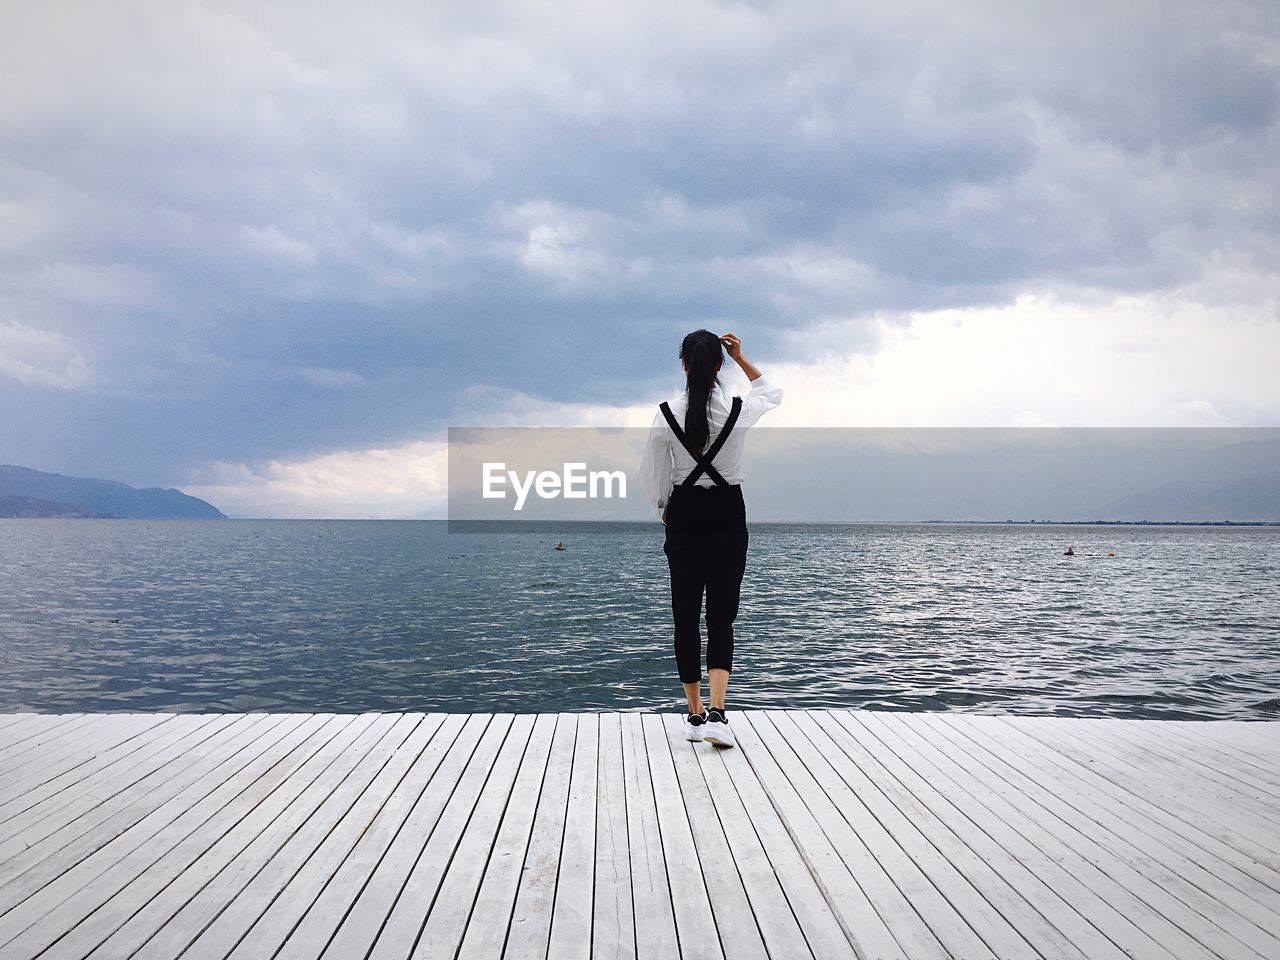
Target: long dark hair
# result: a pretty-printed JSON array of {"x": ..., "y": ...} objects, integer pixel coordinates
[{"x": 702, "y": 354}]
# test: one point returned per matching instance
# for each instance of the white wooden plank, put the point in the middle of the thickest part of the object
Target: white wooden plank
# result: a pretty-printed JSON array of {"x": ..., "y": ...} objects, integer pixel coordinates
[
  {"x": 563, "y": 836},
  {"x": 95, "y": 910},
  {"x": 26, "y": 743},
  {"x": 401, "y": 931},
  {"x": 688, "y": 876},
  {"x": 55, "y": 809},
  {"x": 1257, "y": 738},
  {"x": 1086, "y": 858},
  {"x": 779, "y": 927},
  {"x": 269, "y": 860},
  {"x": 362, "y": 924},
  {"x": 490, "y": 919},
  {"x": 44, "y": 802},
  {"x": 325, "y": 914},
  {"x": 1195, "y": 738},
  {"x": 1003, "y": 824},
  {"x": 530, "y": 931},
  {"x": 613, "y": 927},
  {"x": 858, "y": 814},
  {"x": 656, "y": 934},
  {"x": 1212, "y": 772},
  {"x": 1194, "y": 852},
  {"x": 789, "y": 785},
  {"x": 62, "y": 765},
  {"x": 1136, "y": 786},
  {"x": 921, "y": 915},
  {"x": 736, "y": 924},
  {"x": 31, "y": 748},
  {"x": 9, "y": 721},
  {"x": 1017, "y": 890},
  {"x": 239, "y": 851},
  {"x": 48, "y": 755},
  {"x": 1211, "y": 764},
  {"x": 48, "y": 849},
  {"x": 1198, "y": 894},
  {"x": 446, "y": 918},
  {"x": 259, "y": 918},
  {"x": 575, "y": 889}
]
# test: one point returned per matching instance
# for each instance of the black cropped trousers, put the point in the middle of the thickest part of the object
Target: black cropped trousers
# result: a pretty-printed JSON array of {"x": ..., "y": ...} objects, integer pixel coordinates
[{"x": 706, "y": 548}]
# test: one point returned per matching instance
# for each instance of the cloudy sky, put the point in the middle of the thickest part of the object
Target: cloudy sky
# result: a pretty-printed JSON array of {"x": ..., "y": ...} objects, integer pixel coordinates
[{"x": 269, "y": 252}]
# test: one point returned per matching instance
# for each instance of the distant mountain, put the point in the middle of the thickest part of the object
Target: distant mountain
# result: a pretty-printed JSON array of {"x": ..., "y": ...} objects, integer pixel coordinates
[
  {"x": 103, "y": 498},
  {"x": 11, "y": 506}
]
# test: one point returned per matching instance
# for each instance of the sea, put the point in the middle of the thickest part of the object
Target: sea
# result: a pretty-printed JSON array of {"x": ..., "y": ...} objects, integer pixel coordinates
[{"x": 1175, "y": 622}]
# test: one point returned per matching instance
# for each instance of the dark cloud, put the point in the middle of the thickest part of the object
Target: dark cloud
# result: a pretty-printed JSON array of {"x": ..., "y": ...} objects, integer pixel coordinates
[{"x": 204, "y": 205}]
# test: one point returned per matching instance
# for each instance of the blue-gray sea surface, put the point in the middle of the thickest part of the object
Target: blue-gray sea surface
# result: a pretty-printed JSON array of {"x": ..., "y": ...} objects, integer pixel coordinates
[{"x": 1183, "y": 622}]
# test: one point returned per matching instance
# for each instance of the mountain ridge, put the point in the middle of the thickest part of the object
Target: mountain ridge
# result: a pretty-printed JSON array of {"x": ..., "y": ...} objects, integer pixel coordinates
[{"x": 104, "y": 498}]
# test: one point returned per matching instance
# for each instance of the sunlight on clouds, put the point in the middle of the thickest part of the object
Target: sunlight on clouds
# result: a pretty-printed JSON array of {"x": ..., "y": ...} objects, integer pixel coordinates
[
  {"x": 567, "y": 246},
  {"x": 410, "y": 480},
  {"x": 558, "y": 251},
  {"x": 1137, "y": 361},
  {"x": 405, "y": 481},
  {"x": 1151, "y": 361},
  {"x": 1133, "y": 362},
  {"x": 41, "y": 358},
  {"x": 490, "y": 406}
]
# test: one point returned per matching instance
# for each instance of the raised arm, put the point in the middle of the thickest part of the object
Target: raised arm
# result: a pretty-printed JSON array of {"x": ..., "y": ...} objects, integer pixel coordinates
[
  {"x": 764, "y": 395},
  {"x": 733, "y": 347}
]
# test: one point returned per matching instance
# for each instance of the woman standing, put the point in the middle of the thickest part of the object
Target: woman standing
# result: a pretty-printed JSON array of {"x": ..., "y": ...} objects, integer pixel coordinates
[{"x": 692, "y": 473}]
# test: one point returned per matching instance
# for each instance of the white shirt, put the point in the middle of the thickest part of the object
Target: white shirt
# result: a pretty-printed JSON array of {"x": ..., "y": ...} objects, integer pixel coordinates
[{"x": 667, "y": 463}]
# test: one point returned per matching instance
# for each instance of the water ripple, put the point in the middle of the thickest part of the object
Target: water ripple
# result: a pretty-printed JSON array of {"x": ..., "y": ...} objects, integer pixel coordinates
[{"x": 346, "y": 616}]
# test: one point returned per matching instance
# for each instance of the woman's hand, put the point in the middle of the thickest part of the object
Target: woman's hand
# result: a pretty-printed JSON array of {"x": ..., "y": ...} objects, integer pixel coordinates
[{"x": 732, "y": 346}]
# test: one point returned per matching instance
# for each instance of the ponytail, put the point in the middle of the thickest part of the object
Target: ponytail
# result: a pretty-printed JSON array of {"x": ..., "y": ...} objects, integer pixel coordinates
[{"x": 702, "y": 354}]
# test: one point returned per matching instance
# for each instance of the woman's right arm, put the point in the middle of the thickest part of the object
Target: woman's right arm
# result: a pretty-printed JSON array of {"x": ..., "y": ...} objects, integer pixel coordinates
[
  {"x": 764, "y": 395},
  {"x": 656, "y": 464}
]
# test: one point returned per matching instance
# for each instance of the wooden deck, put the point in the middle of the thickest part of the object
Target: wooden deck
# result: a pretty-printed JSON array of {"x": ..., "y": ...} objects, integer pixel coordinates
[{"x": 824, "y": 835}]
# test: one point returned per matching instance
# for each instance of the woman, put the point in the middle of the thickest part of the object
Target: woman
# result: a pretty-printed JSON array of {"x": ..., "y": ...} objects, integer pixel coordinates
[{"x": 692, "y": 473}]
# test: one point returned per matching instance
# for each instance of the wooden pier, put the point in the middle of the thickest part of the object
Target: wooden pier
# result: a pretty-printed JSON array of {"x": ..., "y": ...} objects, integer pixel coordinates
[{"x": 825, "y": 834}]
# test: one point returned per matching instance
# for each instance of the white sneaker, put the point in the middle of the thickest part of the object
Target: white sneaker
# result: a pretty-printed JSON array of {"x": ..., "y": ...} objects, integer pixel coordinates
[
  {"x": 717, "y": 729},
  {"x": 694, "y": 726}
]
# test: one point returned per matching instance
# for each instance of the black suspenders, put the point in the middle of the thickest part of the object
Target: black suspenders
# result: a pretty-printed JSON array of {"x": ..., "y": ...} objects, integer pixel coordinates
[{"x": 703, "y": 460}]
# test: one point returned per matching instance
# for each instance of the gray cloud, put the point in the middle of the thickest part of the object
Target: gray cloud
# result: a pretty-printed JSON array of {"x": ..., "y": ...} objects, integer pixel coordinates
[{"x": 236, "y": 231}]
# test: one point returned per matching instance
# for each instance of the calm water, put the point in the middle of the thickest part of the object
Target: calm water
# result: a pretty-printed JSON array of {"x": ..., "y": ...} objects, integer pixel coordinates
[{"x": 351, "y": 616}]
